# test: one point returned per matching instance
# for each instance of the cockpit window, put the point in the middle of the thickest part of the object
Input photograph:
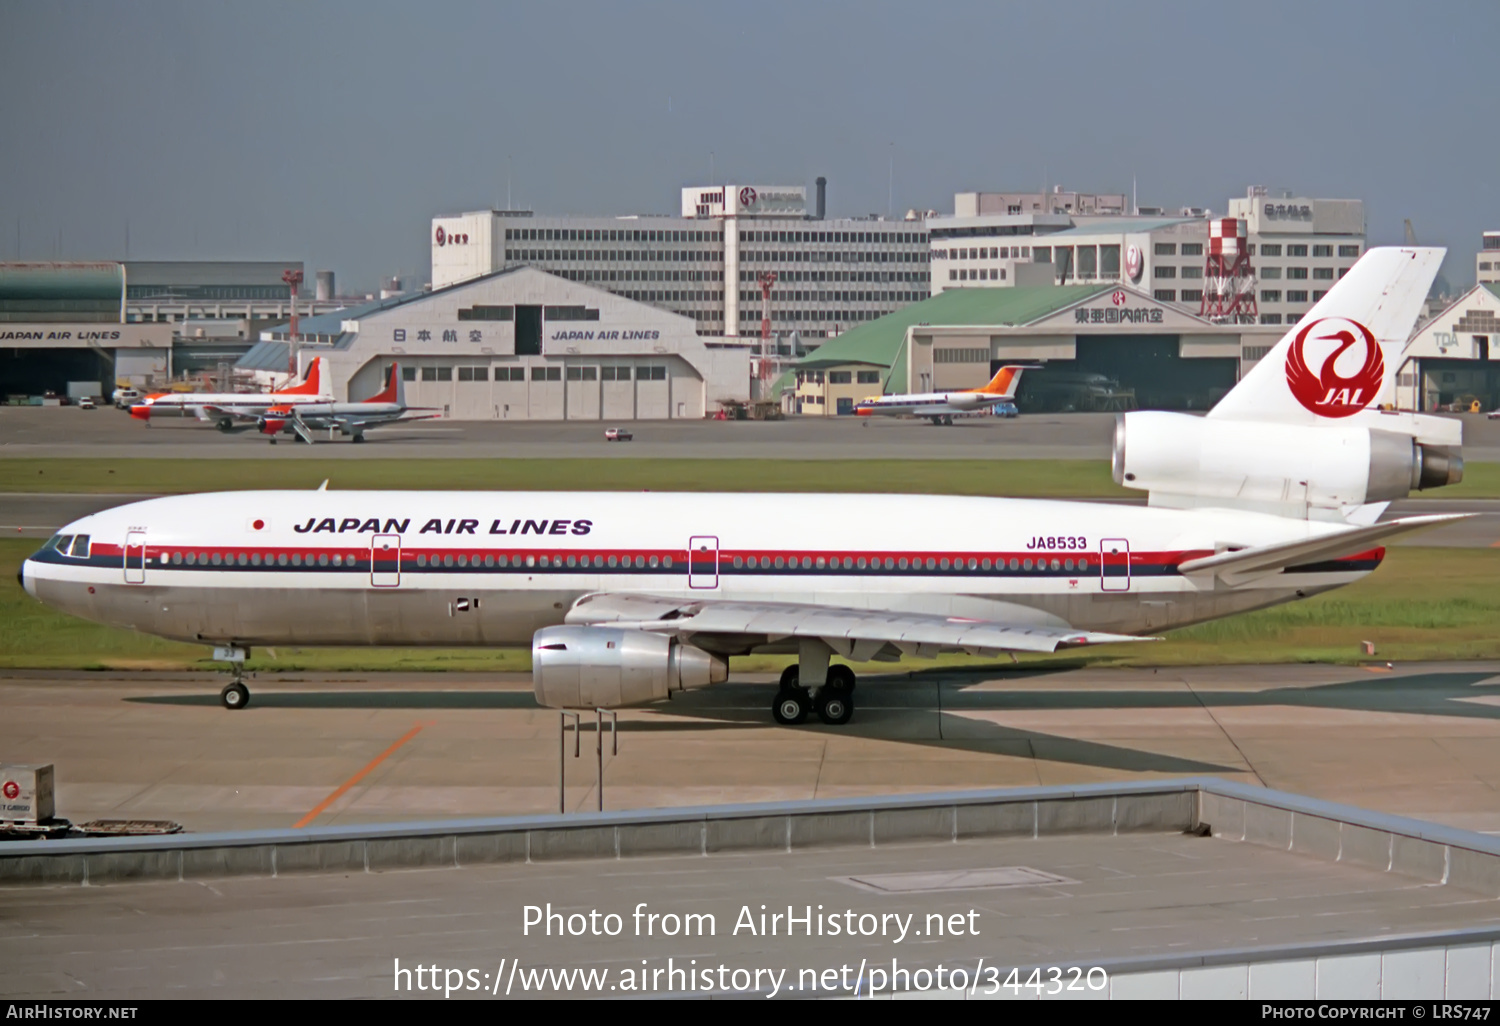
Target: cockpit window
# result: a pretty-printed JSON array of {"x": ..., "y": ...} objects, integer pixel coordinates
[
  {"x": 80, "y": 547},
  {"x": 62, "y": 543}
]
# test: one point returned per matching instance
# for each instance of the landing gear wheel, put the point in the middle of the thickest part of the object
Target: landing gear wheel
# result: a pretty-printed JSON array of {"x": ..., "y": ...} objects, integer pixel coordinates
[
  {"x": 835, "y": 707},
  {"x": 791, "y": 706},
  {"x": 841, "y": 679},
  {"x": 357, "y": 439},
  {"x": 235, "y": 696},
  {"x": 788, "y": 677}
]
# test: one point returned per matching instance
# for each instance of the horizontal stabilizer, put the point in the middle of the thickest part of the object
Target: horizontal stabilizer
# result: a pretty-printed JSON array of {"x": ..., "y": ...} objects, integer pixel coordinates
[{"x": 1272, "y": 558}]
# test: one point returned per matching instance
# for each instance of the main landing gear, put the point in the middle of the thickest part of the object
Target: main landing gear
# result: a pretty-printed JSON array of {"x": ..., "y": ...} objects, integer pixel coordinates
[
  {"x": 235, "y": 695},
  {"x": 833, "y": 702}
]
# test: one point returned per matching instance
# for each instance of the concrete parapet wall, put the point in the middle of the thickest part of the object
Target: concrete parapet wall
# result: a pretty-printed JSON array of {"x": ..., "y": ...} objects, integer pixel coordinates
[
  {"x": 1232, "y": 811},
  {"x": 789, "y": 826},
  {"x": 1389, "y": 844}
]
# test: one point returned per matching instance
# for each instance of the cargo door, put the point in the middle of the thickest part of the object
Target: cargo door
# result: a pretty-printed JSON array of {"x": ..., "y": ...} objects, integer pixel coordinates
[
  {"x": 135, "y": 557},
  {"x": 1114, "y": 564},
  {"x": 385, "y": 561},
  {"x": 703, "y": 562}
]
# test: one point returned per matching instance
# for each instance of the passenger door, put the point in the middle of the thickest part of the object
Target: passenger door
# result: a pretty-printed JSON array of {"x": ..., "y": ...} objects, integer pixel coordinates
[
  {"x": 1114, "y": 564},
  {"x": 135, "y": 557},
  {"x": 703, "y": 562},
  {"x": 385, "y": 561}
]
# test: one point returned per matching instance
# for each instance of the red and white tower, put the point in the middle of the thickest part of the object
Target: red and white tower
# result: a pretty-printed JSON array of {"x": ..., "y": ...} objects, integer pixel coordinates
[
  {"x": 1228, "y": 279},
  {"x": 293, "y": 280},
  {"x": 767, "y": 280}
]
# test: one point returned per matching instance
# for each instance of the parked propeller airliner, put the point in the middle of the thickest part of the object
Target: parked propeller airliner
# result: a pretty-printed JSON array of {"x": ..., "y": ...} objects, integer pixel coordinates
[
  {"x": 626, "y": 598},
  {"x": 941, "y": 407},
  {"x": 388, "y": 406},
  {"x": 225, "y": 408}
]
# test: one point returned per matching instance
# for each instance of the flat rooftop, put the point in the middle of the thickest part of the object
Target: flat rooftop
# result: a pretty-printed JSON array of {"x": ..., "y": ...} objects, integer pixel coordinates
[{"x": 1085, "y": 899}]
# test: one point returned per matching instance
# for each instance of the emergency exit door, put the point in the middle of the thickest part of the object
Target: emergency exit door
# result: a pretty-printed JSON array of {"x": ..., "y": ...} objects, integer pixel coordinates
[{"x": 703, "y": 562}]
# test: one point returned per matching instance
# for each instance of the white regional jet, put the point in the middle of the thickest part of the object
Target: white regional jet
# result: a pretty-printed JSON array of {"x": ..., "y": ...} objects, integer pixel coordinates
[
  {"x": 224, "y": 408},
  {"x": 942, "y": 407},
  {"x": 626, "y": 598}
]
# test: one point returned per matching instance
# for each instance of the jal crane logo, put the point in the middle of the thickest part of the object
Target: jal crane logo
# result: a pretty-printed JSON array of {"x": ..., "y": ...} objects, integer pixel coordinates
[{"x": 1328, "y": 392}]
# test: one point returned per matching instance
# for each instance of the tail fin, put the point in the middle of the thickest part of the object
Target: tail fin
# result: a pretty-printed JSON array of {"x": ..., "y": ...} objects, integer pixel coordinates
[
  {"x": 1005, "y": 382},
  {"x": 313, "y": 383},
  {"x": 394, "y": 390},
  {"x": 1342, "y": 356}
]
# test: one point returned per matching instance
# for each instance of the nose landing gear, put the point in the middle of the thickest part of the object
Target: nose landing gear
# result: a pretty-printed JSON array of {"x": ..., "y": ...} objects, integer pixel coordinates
[{"x": 833, "y": 702}]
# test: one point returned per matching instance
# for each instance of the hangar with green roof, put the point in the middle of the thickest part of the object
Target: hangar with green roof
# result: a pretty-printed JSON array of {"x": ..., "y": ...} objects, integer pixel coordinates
[{"x": 1095, "y": 347}]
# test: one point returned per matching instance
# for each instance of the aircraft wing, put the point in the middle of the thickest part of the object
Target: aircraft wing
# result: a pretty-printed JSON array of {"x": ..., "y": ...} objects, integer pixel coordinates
[
  {"x": 1238, "y": 564},
  {"x": 858, "y": 634},
  {"x": 356, "y": 422}
]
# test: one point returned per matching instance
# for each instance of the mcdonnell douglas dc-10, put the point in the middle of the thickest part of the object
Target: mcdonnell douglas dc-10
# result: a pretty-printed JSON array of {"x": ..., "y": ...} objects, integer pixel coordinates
[{"x": 627, "y": 598}]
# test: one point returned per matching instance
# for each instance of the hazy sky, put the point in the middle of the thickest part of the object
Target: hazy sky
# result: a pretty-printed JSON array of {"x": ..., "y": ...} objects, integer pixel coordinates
[{"x": 333, "y": 132}]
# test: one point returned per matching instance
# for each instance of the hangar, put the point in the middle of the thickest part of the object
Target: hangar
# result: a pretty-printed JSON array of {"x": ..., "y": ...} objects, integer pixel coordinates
[
  {"x": 1097, "y": 347},
  {"x": 62, "y": 330},
  {"x": 520, "y": 344},
  {"x": 1453, "y": 360}
]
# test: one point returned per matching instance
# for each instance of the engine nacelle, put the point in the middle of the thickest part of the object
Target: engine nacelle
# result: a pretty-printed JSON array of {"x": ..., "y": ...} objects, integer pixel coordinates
[
  {"x": 1265, "y": 464},
  {"x": 603, "y": 667}
]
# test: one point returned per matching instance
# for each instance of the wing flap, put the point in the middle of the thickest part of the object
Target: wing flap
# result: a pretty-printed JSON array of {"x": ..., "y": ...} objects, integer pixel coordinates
[{"x": 846, "y": 630}]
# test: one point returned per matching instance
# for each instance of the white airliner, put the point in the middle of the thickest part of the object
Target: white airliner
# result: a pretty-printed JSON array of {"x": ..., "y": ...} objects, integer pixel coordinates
[
  {"x": 942, "y": 407},
  {"x": 388, "y": 406},
  {"x": 626, "y": 598},
  {"x": 224, "y": 408}
]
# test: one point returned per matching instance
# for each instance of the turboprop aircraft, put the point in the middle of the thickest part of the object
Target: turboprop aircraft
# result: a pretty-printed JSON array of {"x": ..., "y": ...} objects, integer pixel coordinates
[
  {"x": 626, "y": 598},
  {"x": 224, "y": 408},
  {"x": 941, "y": 407},
  {"x": 388, "y": 406}
]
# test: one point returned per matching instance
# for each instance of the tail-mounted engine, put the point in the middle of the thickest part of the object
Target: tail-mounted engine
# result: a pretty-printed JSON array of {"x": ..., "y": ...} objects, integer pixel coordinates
[
  {"x": 1184, "y": 460},
  {"x": 603, "y": 667}
]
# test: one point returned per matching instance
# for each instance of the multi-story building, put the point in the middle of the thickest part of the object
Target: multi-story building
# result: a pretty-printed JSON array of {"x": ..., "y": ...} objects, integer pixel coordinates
[
  {"x": 706, "y": 264},
  {"x": 1487, "y": 262},
  {"x": 1298, "y": 248}
]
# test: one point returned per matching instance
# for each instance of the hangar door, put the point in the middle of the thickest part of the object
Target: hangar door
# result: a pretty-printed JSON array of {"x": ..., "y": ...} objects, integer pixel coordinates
[{"x": 1124, "y": 372}]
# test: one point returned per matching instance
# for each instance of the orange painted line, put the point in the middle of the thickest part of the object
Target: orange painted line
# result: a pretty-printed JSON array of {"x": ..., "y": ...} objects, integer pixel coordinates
[
  {"x": 1377, "y": 669},
  {"x": 343, "y": 788}
]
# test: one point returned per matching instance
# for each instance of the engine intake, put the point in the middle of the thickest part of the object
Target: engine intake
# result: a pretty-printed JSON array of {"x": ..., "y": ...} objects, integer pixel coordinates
[
  {"x": 1266, "y": 464},
  {"x": 603, "y": 667}
]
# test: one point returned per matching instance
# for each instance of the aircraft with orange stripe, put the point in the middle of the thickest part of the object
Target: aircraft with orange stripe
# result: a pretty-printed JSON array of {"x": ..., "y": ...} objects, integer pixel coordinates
[
  {"x": 995, "y": 398},
  {"x": 224, "y": 408},
  {"x": 352, "y": 420}
]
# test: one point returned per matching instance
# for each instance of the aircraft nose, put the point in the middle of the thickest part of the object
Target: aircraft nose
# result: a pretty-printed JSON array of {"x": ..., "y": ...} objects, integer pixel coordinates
[{"x": 21, "y": 577}]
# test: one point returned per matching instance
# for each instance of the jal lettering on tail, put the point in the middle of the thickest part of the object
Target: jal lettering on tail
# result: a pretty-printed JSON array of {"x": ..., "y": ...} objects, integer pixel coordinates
[{"x": 1329, "y": 393}]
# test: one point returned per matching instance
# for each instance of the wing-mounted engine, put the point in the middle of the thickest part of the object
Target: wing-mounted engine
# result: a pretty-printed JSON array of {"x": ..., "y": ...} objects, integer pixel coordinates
[
  {"x": 1313, "y": 471},
  {"x": 604, "y": 667}
]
